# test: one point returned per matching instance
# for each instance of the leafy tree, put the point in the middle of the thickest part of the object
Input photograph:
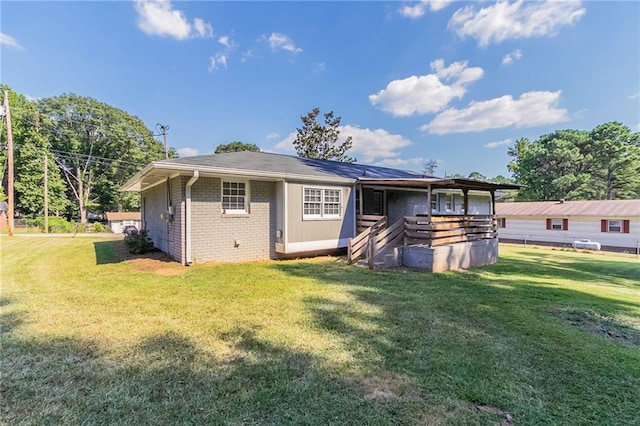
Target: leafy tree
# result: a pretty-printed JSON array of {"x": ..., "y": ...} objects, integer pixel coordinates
[
  {"x": 97, "y": 148},
  {"x": 576, "y": 164},
  {"x": 237, "y": 146},
  {"x": 430, "y": 167},
  {"x": 30, "y": 149},
  {"x": 477, "y": 176},
  {"x": 315, "y": 140},
  {"x": 615, "y": 152}
]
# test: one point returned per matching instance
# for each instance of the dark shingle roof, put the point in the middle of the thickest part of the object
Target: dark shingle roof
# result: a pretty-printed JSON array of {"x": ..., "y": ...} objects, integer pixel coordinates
[{"x": 287, "y": 164}]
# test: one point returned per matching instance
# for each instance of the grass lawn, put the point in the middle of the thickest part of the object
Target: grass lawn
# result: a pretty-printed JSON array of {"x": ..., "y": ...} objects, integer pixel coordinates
[{"x": 544, "y": 337}]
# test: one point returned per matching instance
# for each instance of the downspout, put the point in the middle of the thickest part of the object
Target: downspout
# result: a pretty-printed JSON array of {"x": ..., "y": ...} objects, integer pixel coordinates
[{"x": 187, "y": 237}]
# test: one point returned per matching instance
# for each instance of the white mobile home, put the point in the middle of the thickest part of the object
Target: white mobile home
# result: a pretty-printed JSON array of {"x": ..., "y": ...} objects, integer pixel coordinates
[{"x": 615, "y": 224}]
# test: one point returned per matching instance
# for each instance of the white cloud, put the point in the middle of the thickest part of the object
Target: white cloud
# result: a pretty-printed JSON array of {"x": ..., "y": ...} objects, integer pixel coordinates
[
  {"x": 202, "y": 29},
  {"x": 426, "y": 93},
  {"x": 158, "y": 17},
  {"x": 319, "y": 67},
  {"x": 273, "y": 135},
  {"x": 187, "y": 152},
  {"x": 369, "y": 146},
  {"x": 509, "y": 58},
  {"x": 225, "y": 41},
  {"x": 636, "y": 95},
  {"x": 246, "y": 56},
  {"x": 419, "y": 9},
  {"x": 532, "y": 109},
  {"x": 281, "y": 41},
  {"x": 215, "y": 62},
  {"x": 520, "y": 19},
  {"x": 497, "y": 144},
  {"x": 397, "y": 162},
  {"x": 7, "y": 40}
]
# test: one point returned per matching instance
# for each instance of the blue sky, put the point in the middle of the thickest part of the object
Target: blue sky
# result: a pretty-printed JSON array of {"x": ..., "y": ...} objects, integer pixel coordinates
[{"x": 457, "y": 82}]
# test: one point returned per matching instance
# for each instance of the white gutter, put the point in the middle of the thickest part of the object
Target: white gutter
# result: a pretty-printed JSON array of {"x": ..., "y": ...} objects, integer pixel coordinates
[{"x": 187, "y": 236}]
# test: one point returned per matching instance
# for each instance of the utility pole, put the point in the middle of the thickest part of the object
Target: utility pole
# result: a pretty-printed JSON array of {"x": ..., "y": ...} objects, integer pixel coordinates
[
  {"x": 10, "y": 200},
  {"x": 46, "y": 194},
  {"x": 163, "y": 128}
]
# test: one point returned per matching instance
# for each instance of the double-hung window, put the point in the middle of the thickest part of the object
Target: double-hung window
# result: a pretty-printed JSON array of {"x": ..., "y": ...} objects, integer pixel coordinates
[
  {"x": 615, "y": 226},
  {"x": 558, "y": 224},
  {"x": 450, "y": 204},
  {"x": 235, "y": 197},
  {"x": 321, "y": 203}
]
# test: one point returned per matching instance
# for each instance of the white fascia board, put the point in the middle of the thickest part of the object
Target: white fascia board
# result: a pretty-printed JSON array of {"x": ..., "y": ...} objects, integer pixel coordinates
[
  {"x": 134, "y": 183},
  {"x": 249, "y": 173}
]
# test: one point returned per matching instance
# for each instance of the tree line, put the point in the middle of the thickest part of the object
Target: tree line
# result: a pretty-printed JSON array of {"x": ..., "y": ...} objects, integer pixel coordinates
[{"x": 91, "y": 148}]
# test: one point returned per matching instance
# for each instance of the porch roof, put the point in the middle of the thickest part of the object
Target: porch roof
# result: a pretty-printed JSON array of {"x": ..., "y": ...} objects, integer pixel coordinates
[{"x": 439, "y": 183}]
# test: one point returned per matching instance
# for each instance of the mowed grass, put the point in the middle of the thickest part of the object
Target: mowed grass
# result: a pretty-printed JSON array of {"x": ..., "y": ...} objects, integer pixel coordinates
[{"x": 544, "y": 337}]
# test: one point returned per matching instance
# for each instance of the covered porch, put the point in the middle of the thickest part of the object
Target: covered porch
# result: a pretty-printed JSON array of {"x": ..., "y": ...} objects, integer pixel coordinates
[{"x": 428, "y": 223}]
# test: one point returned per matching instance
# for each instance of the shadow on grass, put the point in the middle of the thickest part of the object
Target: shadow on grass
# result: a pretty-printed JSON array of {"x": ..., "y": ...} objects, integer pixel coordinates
[
  {"x": 168, "y": 380},
  {"x": 108, "y": 252},
  {"x": 491, "y": 338}
]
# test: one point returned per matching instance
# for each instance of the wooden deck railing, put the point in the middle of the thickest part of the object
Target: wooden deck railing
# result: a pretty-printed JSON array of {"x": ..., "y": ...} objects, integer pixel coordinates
[
  {"x": 374, "y": 236},
  {"x": 366, "y": 226},
  {"x": 444, "y": 230}
]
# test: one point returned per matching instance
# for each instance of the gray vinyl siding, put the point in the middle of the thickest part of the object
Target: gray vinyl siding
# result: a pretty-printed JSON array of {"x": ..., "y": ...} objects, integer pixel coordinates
[
  {"x": 302, "y": 230},
  {"x": 154, "y": 204}
]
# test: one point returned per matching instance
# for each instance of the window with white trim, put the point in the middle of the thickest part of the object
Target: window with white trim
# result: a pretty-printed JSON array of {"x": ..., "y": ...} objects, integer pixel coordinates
[
  {"x": 556, "y": 224},
  {"x": 450, "y": 203},
  {"x": 434, "y": 202},
  {"x": 321, "y": 203},
  {"x": 235, "y": 196},
  {"x": 614, "y": 225}
]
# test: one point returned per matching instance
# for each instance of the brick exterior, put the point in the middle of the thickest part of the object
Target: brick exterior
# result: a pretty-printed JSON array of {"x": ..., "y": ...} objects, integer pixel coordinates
[{"x": 232, "y": 238}]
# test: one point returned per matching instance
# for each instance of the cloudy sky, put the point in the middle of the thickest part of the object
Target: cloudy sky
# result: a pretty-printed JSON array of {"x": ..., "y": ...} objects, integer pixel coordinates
[{"x": 413, "y": 81}]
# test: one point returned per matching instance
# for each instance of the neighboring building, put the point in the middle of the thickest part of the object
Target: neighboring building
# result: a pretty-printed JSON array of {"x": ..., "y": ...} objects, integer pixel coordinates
[
  {"x": 253, "y": 205},
  {"x": 4, "y": 223},
  {"x": 615, "y": 224},
  {"x": 118, "y": 220}
]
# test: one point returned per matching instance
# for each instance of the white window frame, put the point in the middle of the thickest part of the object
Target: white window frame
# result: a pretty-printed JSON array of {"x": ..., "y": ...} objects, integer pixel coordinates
[
  {"x": 620, "y": 226},
  {"x": 245, "y": 209},
  {"x": 325, "y": 201},
  {"x": 434, "y": 203},
  {"x": 556, "y": 224},
  {"x": 450, "y": 203}
]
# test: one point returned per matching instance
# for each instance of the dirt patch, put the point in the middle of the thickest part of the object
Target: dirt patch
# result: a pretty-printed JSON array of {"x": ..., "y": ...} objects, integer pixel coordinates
[
  {"x": 601, "y": 325},
  {"x": 389, "y": 387},
  {"x": 503, "y": 418},
  {"x": 156, "y": 262}
]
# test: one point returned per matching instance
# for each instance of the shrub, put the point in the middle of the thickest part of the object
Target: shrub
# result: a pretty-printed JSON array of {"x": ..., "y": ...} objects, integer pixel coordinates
[
  {"x": 57, "y": 225},
  {"x": 139, "y": 242},
  {"x": 100, "y": 227}
]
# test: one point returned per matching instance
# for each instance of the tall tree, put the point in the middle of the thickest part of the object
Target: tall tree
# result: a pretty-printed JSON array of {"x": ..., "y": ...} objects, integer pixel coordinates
[
  {"x": 430, "y": 167},
  {"x": 616, "y": 161},
  {"x": 237, "y": 146},
  {"x": 97, "y": 148},
  {"x": 576, "y": 164},
  {"x": 31, "y": 147},
  {"x": 315, "y": 140}
]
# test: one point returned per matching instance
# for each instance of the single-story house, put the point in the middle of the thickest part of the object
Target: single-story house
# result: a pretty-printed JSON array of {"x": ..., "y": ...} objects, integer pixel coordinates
[
  {"x": 244, "y": 206},
  {"x": 614, "y": 224},
  {"x": 116, "y": 221}
]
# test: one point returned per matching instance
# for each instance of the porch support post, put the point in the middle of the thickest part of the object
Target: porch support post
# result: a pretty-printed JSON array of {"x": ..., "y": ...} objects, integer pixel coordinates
[
  {"x": 493, "y": 202},
  {"x": 429, "y": 212},
  {"x": 360, "y": 204},
  {"x": 465, "y": 201}
]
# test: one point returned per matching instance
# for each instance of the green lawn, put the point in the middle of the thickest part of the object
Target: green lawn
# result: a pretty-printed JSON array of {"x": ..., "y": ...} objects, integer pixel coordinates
[{"x": 544, "y": 337}]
